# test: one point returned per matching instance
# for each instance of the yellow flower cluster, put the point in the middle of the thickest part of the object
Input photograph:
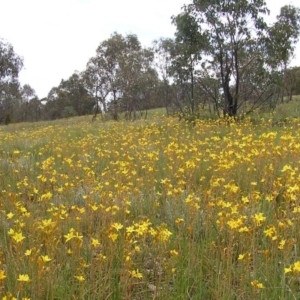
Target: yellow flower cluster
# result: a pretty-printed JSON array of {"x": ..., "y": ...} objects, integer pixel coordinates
[{"x": 148, "y": 209}]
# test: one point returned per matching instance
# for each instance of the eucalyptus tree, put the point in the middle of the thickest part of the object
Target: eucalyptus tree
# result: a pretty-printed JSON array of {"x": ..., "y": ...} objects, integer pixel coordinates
[
  {"x": 97, "y": 84},
  {"x": 176, "y": 61},
  {"x": 10, "y": 66},
  {"x": 77, "y": 95},
  {"x": 236, "y": 49},
  {"x": 119, "y": 76},
  {"x": 128, "y": 61},
  {"x": 163, "y": 50},
  {"x": 147, "y": 81},
  {"x": 10, "y": 63},
  {"x": 30, "y": 107},
  {"x": 191, "y": 41},
  {"x": 292, "y": 82},
  {"x": 101, "y": 71},
  {"x": 27, "y": 94},
  {"x": 281, "y": 43},
  {"x": 98, "y": 77},
  {"x": 34, "y": 110},
  {"x": 137, "y": 79},
  {"x": 10, "y": 100},
  {"x": 70, "y": 98},
  {"x": 283, "y": 37},
  {"x": 54, "y": 105}
]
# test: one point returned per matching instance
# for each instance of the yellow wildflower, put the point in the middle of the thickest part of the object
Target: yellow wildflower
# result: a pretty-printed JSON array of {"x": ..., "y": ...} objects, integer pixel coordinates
[
  {"x": 28, "y": 252},
  {"x": 10, "y": 215},
  {"x": 296, "y": 266},
  {"x": 136, "y": 274},
  {"x": 95, "y": 242},
  {"x": 281, "y": 244},
  {"x": 259, "y": 219},
  {"x": 173, "y": 252},
  {"x": 45, "y": 258},
  {"x": 23, "y": 278},
  {"x": 80, "y": 278},
  {"x": 257, "y": 284},
  {"x": 18, "y": 237},
  {"x": 2, "y": 275},
  {"x": 117, "y": 226},
  {"x": 113, "y": 236}
]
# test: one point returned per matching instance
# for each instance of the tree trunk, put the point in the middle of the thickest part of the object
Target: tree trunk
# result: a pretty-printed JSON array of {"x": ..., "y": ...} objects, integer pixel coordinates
[{"x": 192, "y": 92}]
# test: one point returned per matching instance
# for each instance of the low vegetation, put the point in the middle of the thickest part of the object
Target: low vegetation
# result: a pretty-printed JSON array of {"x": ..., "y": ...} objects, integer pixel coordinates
[{"x": 151, "y": 209}]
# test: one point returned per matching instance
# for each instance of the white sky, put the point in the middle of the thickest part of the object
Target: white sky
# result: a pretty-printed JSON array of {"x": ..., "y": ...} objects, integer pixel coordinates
[{"x": 57, "y": 37}]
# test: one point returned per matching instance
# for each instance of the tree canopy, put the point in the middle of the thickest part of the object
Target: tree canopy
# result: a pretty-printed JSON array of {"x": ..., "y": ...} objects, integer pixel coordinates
[
  {"x": 236, "y": 47},
  {"x": 224, "y": 57}
]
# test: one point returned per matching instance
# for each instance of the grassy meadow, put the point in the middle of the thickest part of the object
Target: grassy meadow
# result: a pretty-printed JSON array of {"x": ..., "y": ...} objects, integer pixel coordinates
[{"x": 151, "y": 209}]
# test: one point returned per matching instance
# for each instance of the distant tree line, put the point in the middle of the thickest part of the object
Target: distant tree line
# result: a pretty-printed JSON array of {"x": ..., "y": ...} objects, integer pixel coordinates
[{"x": 224, "y": 58}]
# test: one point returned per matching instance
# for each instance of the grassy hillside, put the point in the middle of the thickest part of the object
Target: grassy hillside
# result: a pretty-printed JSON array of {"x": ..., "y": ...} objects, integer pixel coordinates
[{"x": 153, "y": 209}]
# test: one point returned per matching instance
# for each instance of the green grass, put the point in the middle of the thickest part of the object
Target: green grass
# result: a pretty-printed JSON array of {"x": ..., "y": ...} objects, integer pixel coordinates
[{"x": 151, "y": 209}]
